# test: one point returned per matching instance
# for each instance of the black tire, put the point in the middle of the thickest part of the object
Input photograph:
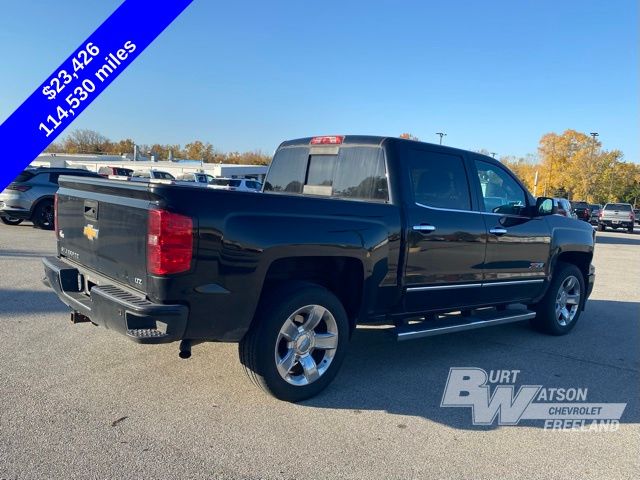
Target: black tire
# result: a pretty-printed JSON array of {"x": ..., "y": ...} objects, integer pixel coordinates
[
  {"x": 11, "y": 220},
  {"x": 43, "y": 215},
  {"x": 601, "y": 228},
  {"x": 264, "y": 343},
  {"x": 547, "y": 320}
]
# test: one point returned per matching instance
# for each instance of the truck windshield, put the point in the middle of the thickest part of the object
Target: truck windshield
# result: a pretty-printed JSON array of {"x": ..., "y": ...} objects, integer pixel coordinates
[{"x": 353, "y": 173}]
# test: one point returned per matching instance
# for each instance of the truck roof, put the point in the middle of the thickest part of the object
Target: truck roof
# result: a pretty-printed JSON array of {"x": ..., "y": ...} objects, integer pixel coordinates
[{"x": 377, "y": 140}]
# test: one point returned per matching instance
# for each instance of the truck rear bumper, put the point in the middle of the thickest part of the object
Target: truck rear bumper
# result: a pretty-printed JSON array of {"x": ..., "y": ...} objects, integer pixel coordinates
[
  {"x": 616, "y": 223},
  {"x": 114, "y": 308}
]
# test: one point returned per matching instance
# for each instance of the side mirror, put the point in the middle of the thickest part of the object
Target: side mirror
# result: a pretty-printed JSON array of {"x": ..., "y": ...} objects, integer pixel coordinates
[{"x": 545, "y": 206}]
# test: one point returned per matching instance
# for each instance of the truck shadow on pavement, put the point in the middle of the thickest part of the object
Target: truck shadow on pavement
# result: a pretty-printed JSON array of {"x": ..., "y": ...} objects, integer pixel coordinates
[
  {"x": 21, "y": 254},
  {"x": 14, "y": 302},
  {"x": 409, "y": 378},
  {"x": 623, "y": 239}
]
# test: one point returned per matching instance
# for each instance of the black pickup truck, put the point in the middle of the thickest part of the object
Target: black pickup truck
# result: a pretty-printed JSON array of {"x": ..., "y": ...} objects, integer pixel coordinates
[{"x": 348, "y": 230}]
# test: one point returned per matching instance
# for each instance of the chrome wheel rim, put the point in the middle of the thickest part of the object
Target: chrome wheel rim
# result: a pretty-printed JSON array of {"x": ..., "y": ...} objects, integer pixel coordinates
[
  {"x": 567, "y": 300},
  {"x": 306, "y": 345}
]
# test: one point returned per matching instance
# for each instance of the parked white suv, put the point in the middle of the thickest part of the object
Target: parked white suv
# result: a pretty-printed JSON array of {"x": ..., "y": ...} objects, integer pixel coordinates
[
  {"x": 148, "y": 175},
  {"x": 240, "y": 184}
]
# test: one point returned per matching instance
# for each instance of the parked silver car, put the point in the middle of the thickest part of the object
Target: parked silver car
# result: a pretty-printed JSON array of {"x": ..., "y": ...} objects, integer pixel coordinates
[{"x": 30, "y": 196}]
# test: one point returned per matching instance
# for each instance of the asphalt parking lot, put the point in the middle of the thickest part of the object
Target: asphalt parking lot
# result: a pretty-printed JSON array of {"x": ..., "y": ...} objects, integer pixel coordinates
[{"x": 78, "y": 401}]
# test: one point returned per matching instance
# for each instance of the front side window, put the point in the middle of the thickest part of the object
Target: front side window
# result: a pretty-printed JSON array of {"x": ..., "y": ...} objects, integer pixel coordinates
[
  {"x": 500, "y": 192},
  {"x": 439, "y": 180}
]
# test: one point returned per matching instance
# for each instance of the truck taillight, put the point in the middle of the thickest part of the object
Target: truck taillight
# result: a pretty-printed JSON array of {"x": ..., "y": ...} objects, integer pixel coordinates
[
  {"x": 55, "y": 214},
  {"x": 169, "y": 242},
  {"x": 327, "y": 140}
]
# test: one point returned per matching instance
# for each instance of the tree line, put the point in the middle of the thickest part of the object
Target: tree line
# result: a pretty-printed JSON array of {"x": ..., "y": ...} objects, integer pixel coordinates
[
  {"x": 90, "y": 142},
  {"x": 570, "y": 165},
  {"x": 573, "y": 165}
]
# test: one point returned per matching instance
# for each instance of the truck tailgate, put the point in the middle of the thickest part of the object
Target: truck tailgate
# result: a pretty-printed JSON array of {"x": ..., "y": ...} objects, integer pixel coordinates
[{"x": 102, "y": 225}]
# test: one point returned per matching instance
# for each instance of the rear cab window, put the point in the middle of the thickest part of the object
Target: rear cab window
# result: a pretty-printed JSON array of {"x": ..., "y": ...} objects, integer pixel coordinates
[
  {"x": 623, "y": 207},
  {"x": 347, "y": 172}
]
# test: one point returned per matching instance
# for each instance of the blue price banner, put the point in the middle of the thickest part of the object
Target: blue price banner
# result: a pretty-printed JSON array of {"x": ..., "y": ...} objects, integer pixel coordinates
[{"x": 80, "y": 79}]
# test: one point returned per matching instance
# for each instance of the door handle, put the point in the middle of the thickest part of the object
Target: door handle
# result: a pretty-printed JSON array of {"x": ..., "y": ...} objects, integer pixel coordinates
[
  {"x": 498, "y": 231},
  {"x": 424, "y": 228}
]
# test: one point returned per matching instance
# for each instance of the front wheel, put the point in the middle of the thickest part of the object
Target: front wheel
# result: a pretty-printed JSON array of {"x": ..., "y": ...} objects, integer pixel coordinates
[
  {"x": 11, "y": 220},
  {"x": 297, "y": 342},
  {"x": 558, "y": 311}
]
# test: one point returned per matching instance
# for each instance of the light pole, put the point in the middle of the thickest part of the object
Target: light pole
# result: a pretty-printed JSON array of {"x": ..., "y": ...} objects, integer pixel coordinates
[
  {"x": 442, "y": 134},
  {"x": 493, "y": 154},
  {"x": 593, "y": 151}
]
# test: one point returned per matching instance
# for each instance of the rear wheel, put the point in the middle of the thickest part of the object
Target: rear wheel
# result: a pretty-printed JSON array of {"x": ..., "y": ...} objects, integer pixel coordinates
[
  {"x": 297, "y": 343},
  {"x": 11, "y": 220},
  {"x": 43, "y": 215},
  {"x": 559, "y": 310}
]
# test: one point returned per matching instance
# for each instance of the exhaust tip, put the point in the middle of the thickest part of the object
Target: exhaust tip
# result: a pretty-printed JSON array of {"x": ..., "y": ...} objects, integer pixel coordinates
[{"x": 185, "y": 349}]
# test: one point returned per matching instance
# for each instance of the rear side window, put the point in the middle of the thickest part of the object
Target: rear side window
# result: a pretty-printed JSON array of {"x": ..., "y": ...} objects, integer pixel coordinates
[
  {"x": 623, "y": 207},
  {"x": 24, "y": 177},
  {"x": 439, "y": 180},
  {"x": 164, "y": 176},
  {"x": 354, "y": 173}
]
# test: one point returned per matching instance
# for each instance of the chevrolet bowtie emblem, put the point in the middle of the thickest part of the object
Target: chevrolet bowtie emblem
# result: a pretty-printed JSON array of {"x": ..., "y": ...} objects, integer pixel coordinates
[{"x": 90, "y": 232}]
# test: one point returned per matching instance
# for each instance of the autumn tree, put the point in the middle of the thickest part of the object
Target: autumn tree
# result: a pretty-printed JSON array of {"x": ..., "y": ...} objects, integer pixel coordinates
[
  {"x": 409, "y": 136},
  {"x": 576, "y": 163},
  {"x": 525, "y": 169},
  {"x": 85, "y": 141}
]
